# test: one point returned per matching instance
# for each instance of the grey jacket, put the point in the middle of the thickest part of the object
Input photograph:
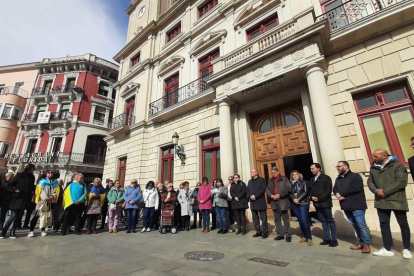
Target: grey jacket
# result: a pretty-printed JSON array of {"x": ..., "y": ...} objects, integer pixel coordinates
[
  {"x": 283, "y": 189},
  {"x": 222, "y": 198}
]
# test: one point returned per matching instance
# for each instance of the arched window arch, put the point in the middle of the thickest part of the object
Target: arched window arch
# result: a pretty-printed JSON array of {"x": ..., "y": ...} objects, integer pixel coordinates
[
  {"x": 290, "y": 119},
  {"x": 265, "y": 126}
]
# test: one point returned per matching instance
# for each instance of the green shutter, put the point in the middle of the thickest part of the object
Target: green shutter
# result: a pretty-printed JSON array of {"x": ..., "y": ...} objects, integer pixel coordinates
[
  {"x": 41, "y": 108},
  {"x": 65, "y": 107}
]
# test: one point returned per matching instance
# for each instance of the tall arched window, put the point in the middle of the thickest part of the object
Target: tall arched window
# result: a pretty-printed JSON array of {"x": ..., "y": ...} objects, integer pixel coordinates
[{"x": 265, "y": 126}]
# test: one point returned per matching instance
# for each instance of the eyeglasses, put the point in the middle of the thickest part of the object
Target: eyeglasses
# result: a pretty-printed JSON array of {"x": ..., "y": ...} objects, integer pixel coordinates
[
  {"x": 230, "y": 179},
  {"x": 339, "y": 166},
  {"x": 49, "y": 172},
  {"x": 236, "y": 177}
]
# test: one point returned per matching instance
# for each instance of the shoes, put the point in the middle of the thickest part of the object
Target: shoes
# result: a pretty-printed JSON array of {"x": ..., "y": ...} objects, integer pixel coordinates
[
  {"x": 114, "y": 231},
  {"x": 12, "y": 234},
  {"x": 88, "y": 232},
  {"x": 356, "y": 247},
  {"x": 134, "y": 231},
  {"x": 219, "y": 231},
  {"x": 265, "y": 235},
  {"x": 78, "y": 233},
  {"x": 325, "y": 242},
  {"x": 148, "y": 229},
  {"x": 258, "y": 234},
  {"x": 102, "y": 227},
  {"x": 333, "y": 243},
  {"x": 384, "y": 253},
  {"x": 63, "y": 233},
  {"x": 279, "y": 238},
  {"x": 187, "y": 229},
  {"x": 288, "y": 238},
  {"x": 70, "y": 230},
  {"x": 238, "y": 232},
  {"x": 94, "y": 231},
  {"x": 407, "y": 254},
  {"x": 143, "y": 230},
  {"x": 44, "y": 234},
  {"x": 128, "y": 231},
  {"x": 30, "y": 235},
  {"x": 310, "y": 242},
  {"x": 110, "y": 231},
  {"x": 366, "y": 249},
  {"x": 213, "y": 228},
  {"x": 204, "y": 230},
  {"x": 207, "y": 229},
  {"x": 2, "y": 236},
  {"x": 302, "y": 240},
  {"x": 243, "y": 233},
  {"x": 224, "y": 232}
]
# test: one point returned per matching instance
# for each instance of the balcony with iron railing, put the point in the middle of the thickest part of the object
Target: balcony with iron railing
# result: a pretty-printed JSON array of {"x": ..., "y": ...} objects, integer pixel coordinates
[
  {"x": 62, "y": 117},
  {"x": 121, "y": 124},
  {"x": 177, "y": 101},
  {"x": 13, "y": 90},
  {"x": 58, "y": 158},
  {"x": 41, "y": 91}
]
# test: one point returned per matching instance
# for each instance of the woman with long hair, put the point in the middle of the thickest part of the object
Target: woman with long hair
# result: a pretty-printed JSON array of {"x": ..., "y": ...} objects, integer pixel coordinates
[
  {"x": 220, "y": 204},
  {"x": 204, "y": 201},
  {"x": 239, "y": 203},
  {"x": 151, "y": 205}
]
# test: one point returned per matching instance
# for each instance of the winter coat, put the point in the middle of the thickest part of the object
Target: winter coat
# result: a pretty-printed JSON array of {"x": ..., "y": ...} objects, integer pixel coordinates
[
  {"x": 195, "y": 199},
  {"x": 351, "y": 187},
  {"x": 300, "y": 190},
  {"x": 134, "y": 194},
  {"x": 257, "y": 187},
  {"x": 322, "y": 189},
  {"x": 114, "y": 195},
  {"x": 185, "y": 198},
  {"x": 204, "y": 194},
  {"x": 238, "y": 189},
  {"x": 392, "y": 179},
  {"x": 411, "y": 165},
  {"x": 221, "y": 198},
  {"x": 5, "y": 194},
  {"x": 151, "y": 198},
  {"x": 25, "y": 183},
  {"x": 283, "y": 189},
  {"x": 171, "y": 199}
]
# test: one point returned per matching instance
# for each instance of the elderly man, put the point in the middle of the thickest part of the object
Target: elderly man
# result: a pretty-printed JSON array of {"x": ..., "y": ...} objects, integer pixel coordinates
[
  {"x": 5, "y": 197},
  {"x": 388, "y": 179},
  {"x": 349, "y": 190},
  {"x": 256, "y": 189}
]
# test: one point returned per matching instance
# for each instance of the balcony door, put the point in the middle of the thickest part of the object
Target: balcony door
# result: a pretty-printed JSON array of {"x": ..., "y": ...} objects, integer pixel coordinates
[
  {"x": 171, "y": 96},
  {"x": 122, "y": 170},
  {"x": 129, "y": 110}
]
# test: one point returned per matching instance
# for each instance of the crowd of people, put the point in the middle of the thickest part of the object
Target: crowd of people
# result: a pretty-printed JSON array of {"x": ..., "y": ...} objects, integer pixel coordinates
[{"x": 221, "y": 204}]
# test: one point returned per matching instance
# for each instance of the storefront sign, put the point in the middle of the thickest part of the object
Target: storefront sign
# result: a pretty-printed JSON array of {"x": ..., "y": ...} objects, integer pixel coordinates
[
  {"x": 36, "y": 157},
  {"x": 43, "y": 117}
]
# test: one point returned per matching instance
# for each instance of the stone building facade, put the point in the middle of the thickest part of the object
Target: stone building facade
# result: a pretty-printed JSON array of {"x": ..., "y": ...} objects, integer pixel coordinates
[{"x": 254, "y": 84}]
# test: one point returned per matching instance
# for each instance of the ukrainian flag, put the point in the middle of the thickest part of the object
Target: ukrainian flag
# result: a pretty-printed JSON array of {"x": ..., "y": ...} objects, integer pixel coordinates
[
  {"x": 73, "y": 193},
  {"x": 99, "y": 190},
  {"x": 43, "y": 183}
]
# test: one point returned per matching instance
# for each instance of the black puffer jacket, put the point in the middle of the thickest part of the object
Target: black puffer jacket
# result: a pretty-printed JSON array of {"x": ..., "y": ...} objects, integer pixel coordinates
[
  {"x": 300, "y": 191},
  {"x": 238, "y": 189},
  {"x": 25, "y": 184}
]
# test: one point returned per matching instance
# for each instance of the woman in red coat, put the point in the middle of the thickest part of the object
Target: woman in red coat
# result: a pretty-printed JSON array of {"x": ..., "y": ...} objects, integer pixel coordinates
[{"x": 204, "y": 200}]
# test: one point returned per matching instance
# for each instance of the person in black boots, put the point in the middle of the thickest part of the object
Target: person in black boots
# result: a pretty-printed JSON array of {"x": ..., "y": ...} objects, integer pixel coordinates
[
  {"x": 278, "y": 192},
  {"x": 256, "y": 190},
  {"x": 22, "y": 186},
  {"x": 321, "y": 194},
  {"x": 5, "y": 197}
]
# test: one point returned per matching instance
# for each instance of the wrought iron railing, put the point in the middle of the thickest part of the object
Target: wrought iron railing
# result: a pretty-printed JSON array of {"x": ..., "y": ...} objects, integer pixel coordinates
[
  {"x": 61, "y": 116},
  {"x": 353, "y": 11},
  {"x": 182, "y": 94},
  {"x": 98, "y": 122},
  {"x": 13, "y": 90},
  {"x": 30, "y": 118},
  {"x": 66, "y": 89},
  {"x": 41, "y": 91},
  {"x": 121, "y": 120},
  {"x": 63, "y": 158}
]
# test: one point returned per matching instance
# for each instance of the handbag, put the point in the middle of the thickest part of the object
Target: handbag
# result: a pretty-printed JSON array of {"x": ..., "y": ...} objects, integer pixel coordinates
[
  {"x": 312, "y": 208},
  {"x": 112, "y": 207}
]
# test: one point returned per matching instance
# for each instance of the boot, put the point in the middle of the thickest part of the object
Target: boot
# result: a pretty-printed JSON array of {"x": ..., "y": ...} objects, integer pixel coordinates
[
  {"x": 3, "y": 234},
  {"x": 12, "y": 234},
  {"x": 288, "y": 238}
]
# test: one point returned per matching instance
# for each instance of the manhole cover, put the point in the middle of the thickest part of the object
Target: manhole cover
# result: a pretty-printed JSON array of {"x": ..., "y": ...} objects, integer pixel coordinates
[
  {"x": 268, "y": 261},
  {"x": 204, "y": 255}
]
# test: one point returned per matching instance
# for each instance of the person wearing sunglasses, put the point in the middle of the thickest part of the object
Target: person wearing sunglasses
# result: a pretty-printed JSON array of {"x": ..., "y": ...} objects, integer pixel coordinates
[{"x": 239, "y": 203}]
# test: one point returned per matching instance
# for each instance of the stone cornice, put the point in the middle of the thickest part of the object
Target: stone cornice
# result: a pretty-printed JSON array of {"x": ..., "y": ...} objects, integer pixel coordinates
[
  {"x": 88, "y": 58},
  {"x": 107, "y": 103},
  {"x": 19, "y": 67}
]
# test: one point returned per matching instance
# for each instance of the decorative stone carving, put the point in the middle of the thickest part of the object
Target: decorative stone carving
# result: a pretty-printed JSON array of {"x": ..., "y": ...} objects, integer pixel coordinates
[
  {"x": 277, "y": 64},
  {"x": 227, "y": 85},
  {"x": 258, "y": 72},
  {"x": 298, "y": 55},
  {"x": 242, "y": 80}
]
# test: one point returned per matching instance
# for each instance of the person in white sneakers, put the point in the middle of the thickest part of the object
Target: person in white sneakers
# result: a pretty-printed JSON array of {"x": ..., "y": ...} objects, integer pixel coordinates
[
  {"x": 47, "y": 191},
  {"x": 151, "y": 205},
  {"x": 388, "y": 179}
]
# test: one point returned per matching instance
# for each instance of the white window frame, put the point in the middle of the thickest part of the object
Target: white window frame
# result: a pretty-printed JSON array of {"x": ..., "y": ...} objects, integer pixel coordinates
[
  {"x": 28, "y": 141},
  {"x": 2, "y": 145},
  {"x": 2, "y": 89},
  {"x": 13, "y": 108},
  {"x": 20, "y": 87}
]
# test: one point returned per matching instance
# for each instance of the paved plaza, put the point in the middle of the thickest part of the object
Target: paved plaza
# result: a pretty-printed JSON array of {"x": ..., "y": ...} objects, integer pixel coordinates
[{"x": 156, "y": 254}]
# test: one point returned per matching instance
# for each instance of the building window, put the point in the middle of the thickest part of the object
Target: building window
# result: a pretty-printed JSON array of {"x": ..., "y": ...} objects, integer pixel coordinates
[
  {"x": 174, "y": 32},
  {"x": 57, "y": 144},
  {"x": 206, "y": 66},
  {"x": 129, "y": 111},
  {"x": 386, "y": 119},
  {"x": 210, "y": 148},
  {"x": 167, "y": 164},
  {"x": 11, "y": 112},
  {"x": 95, "y": 150},
  {"x": 18, "y": 88},
  {"x": 171, "y": 91},
  {"x": 2, "y": 88},
  {"x": 71, "y": 82},
  {"x": 31, "y": 146},
  {"x": 103, "y": 89},
  {"x": 99, "y": 116},
  {"x": 136, "y": 59},
  {"x": 4, "y": 149},
  {"x": 208, "y": 6},
  {"x": 263, "y": 27},
  {"x": 122, "y": 170},
  {"x": 64, "y": 112}
]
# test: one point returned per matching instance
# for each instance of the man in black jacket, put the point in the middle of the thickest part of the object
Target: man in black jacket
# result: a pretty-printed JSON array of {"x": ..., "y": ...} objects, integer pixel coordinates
[
  {"x": 411, "y": 159},
  {"x": 349, "y": 190},
  {"x": 5, "y": 197},
  {"x": 321, "y": 194},
  {"x": 256, "y": 189}
]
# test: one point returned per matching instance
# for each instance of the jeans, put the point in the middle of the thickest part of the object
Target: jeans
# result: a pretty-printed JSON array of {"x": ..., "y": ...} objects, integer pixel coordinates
[
  {"x": 328, "y": 223},
  {"x": 206, "y": 218},
  {"x": 401, "y": 216},
  {"x": 221, "y": 216},
  {"x": 148, "y": 217},
  {"x": 15, "y": 218},
  {"x": 131, "y": 215},
  {"x": 302, "y": 213},
  {"x": 357, "y": 219},
  {"x": 256, "y": 221},
  {"x": 113, "y": 217}
]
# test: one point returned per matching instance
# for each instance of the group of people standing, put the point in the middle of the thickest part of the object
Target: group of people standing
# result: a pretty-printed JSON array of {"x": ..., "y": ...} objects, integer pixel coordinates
[{"x": 227, "y": 203}]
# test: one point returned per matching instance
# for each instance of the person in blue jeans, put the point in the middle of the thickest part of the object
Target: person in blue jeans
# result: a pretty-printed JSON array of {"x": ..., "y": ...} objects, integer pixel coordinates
[
  {"x": 349, "y": 190},
  {"x": 321, "y": 195},
  {"x": 220, "y": 204},
  {"x": 132, "y": 197},
  {"x": 151, "y": 202},
  {"x": 299, "y": 195}
]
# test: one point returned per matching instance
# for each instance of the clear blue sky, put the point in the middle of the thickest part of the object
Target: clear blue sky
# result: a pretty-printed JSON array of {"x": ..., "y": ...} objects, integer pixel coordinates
[{"x": 35, "y": 29}]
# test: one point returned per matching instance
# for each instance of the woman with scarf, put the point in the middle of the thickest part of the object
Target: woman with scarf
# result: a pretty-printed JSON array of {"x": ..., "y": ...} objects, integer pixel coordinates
[
  {"x": 115, "y": 200},
  {"x": 220, "y": 204},
  {"x": 184, "y": 198},
  {"x": 299, "y": 195},
  {"x": 151, "y": 205},
  {"x": 169, "y": 198},
  {"x": 47, "y": 191},
  {"x": 74, "y": 198},
  {"x": 132, "y": 198},
  {"x": 96, "y": 199},
  {"x": 204, "y": 201},
  {"x": 196, "y": 210}
]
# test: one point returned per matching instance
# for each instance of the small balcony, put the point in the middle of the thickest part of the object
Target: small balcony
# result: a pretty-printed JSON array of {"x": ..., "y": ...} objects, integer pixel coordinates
[
  {"x": 29, "y": 118},
  {"x": 63, "y": 119},
  {"x": 121, "y": 125},
  {"x": 68, "y": 91},
  {"x": 64, "y": 116},
  {"x": 197, "y": 93},
  {"x": 10, "y": 116}
]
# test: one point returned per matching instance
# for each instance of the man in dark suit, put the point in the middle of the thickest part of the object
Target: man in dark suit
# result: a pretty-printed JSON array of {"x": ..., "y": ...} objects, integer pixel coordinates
[
  {"x": 256, "y": 189},
  {"x": 411, "y": 159}
]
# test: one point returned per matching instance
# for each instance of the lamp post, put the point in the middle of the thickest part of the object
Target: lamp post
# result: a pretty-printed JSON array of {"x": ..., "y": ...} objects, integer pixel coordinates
[{"x": 179, "y": 150}]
